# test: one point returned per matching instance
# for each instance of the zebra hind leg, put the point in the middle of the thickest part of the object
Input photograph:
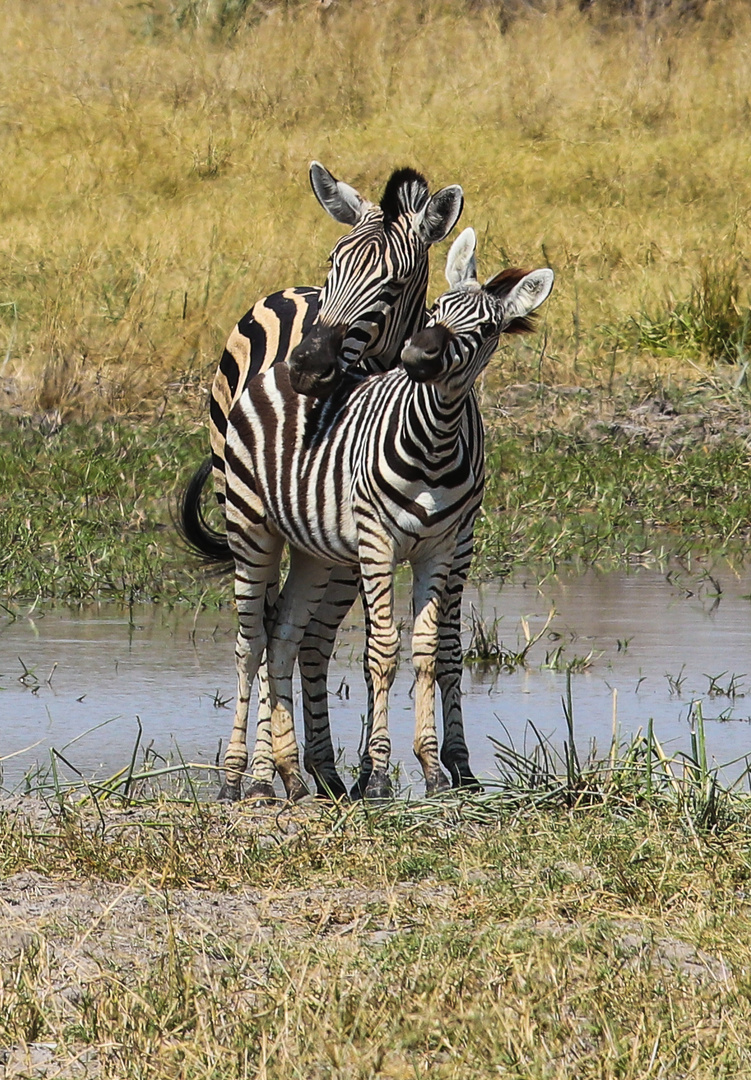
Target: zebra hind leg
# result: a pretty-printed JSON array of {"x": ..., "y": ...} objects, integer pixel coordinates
[
  {"x": 260, "y": 789},
  {"x": 315, "y": 653},
  {"x": 303, "y": 591},
  {"x": 256, "y": 568},
  {"x": 262, "y": 768},
  {"x": 449, "y": 668}
]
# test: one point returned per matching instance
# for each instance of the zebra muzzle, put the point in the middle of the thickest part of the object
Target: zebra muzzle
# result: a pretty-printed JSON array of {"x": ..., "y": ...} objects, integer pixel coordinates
[
  {"x": 314, "y": 366},
  {"x": 422, "y": 356}
]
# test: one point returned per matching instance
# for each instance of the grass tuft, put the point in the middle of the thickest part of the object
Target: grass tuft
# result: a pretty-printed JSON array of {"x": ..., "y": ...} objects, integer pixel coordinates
[{"x": 713, "y": 323}]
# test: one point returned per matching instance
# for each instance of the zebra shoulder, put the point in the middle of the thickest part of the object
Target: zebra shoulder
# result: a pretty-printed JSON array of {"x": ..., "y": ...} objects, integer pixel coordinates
[{"x": 264, "y": 336}]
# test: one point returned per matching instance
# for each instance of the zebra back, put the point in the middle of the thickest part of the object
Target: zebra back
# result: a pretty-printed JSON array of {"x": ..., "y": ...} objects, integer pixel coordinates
[{"x": 263, "y": 337}]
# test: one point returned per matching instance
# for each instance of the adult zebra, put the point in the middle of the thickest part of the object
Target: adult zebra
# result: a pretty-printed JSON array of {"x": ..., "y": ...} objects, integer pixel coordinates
[
  {"x": 374, "y": 297},
  {"x": 377, "y": 474}
]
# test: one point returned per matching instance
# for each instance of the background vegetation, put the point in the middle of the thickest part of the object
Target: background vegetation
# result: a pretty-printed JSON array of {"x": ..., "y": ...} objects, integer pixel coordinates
[
  {"x": 155, "y": 184},
  {"x": 156, "y": 154}
]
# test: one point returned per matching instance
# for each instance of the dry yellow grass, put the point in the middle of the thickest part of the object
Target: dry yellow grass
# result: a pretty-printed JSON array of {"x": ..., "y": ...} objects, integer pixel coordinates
[{"x": 155, "y": 175}]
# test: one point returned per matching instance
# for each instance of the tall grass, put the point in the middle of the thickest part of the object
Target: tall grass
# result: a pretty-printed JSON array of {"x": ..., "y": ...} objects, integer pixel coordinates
[{"x": 155, "y": 158}]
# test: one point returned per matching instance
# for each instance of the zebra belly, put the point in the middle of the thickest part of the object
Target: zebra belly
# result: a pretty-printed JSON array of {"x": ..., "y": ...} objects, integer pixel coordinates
[{"x": 328, "y": 534}]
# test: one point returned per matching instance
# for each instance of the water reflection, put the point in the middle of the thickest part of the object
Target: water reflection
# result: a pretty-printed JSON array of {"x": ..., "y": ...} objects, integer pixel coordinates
[{"x": 643, "y": 643}]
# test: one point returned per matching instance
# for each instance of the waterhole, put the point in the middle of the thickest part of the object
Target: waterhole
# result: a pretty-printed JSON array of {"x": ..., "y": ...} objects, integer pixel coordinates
[{"x": 639, "y": 644}]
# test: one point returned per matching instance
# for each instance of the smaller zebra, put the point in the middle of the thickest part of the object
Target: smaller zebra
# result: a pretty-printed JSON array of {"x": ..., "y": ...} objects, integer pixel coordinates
[{"x": 379, "y": 473}]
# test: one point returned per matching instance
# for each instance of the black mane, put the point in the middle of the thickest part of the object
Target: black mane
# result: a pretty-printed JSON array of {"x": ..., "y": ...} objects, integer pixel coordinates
[{"x": 407, "y": 189}]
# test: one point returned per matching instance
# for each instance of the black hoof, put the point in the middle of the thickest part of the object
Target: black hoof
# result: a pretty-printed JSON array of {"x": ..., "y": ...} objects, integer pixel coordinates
[
  {"x": 260, "y": 791},
  {"x": 295, "y": 787},
  {"x": 378, "y": 786},
  {"x": 466, "y": 781},
  {"x": 229, "y": 792},
  {"x": 357, "y": 791},
  {"x": 331, "y": 788},
  {"x": 462, "y": 776},
  {"x": 436, "y": 784}
]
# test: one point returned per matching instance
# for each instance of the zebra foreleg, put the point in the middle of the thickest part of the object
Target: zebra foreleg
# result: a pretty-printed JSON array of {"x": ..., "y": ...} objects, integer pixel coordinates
[
  {"x": 301, "y": 595},
  {"x": 428, "y": 588},
  {"x": 449, "y": 668},
  {"x": 315, "y": 653},
  {"x": 382, "y": 652}
]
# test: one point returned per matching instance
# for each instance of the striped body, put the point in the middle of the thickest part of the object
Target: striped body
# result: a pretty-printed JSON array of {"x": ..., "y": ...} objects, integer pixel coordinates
[
  {"x": 266, "y": 335},
  {"x": 373, "y": 297},
  {"x": 315, "y": 465},
  {"x": 385, "y": 471}
]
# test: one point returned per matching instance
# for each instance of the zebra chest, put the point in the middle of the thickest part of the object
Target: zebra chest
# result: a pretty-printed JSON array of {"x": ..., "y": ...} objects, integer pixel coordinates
[
  {"x": 412, "y": 514},
  {"x": 310, "y": 501}
]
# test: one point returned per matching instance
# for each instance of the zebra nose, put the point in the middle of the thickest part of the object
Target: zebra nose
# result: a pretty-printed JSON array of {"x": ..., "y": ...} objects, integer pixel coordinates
[
  {"x": 313, "y": 367},
  {"x": 420, "y": 366},
  {"x": 422, "y": 356}
]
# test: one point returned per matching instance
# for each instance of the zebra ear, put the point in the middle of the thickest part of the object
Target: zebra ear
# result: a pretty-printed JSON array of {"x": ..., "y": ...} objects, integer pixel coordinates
[
  {"x": 528, "y": 294},
  {"x": 460, "y": 264},
  {"x": 340, "y": 200},
  {"x": 439, "y": 215}
]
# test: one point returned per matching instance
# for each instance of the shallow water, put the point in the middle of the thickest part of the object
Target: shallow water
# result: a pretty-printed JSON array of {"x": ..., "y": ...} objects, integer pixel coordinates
[{"x": 657, "y": 640}]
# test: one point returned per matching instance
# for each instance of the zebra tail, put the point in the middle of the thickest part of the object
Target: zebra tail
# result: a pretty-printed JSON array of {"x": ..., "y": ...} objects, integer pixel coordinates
[{"x": 208, "y": 543}]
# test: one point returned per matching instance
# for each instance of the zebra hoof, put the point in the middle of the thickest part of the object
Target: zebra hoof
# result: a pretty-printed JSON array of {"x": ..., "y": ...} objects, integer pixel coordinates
[
  {"x": 260, "y": 792},
  {"x": 469, "y": 783},
  {"x": 436, "y": 784},
  {"x": 462, "y": 776},
  {"x": 378, "y": 786},
  {"x": 331, "y": 788},
  {"x": 295, "y": 787},
  {"x": 357, "y": 791},
  {"x": 229, "y": 792},
  {"x": 465, "y": 780}
]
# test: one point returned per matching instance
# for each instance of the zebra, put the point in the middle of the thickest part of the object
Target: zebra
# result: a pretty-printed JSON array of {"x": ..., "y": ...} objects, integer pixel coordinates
[
  {"x": 373, "y": 297},
  {"x": 378, "y": 473}
]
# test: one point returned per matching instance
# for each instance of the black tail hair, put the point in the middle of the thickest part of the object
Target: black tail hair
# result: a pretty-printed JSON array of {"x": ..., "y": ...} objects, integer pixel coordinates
[{"x": 208, "y": 543}]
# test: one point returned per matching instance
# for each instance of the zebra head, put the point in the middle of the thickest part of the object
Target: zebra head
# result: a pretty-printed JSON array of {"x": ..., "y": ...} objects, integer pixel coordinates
[
  {"x": 374, "y": 294},
  {"x": 466, "y": 322}
]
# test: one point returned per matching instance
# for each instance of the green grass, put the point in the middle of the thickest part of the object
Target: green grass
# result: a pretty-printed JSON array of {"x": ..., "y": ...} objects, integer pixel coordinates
[
  {"x": 712, "y": 322},
  {"x": 585, "y": 916},
  {"x": 86, "y": 510},
  {"x": 559, "y": 498}
]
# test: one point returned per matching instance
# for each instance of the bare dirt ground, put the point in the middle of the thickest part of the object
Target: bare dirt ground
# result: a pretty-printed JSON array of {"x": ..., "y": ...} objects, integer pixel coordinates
[
  {"x": 650, "y": 417},
  {"x": 75, "y": 935}
]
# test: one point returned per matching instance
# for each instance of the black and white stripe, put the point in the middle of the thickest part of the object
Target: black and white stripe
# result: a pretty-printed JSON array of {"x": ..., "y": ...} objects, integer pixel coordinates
[
  {"x": 373, "y": 298},
  {"x": 381, "y": 472},
  {"x": 374, "y": 295}
]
